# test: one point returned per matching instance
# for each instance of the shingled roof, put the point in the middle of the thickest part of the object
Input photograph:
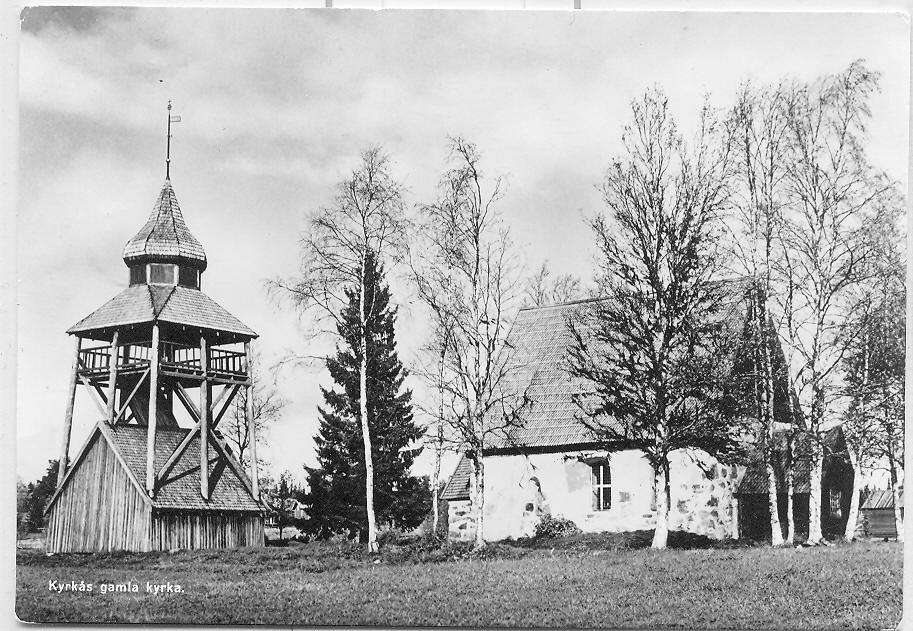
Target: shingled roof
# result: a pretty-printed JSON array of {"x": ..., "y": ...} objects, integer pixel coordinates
[
  {"x": 165, "y": 236},
  {"x": 166, "y": 303},
  {"x": 457, "y": 487},
  {"x": 754, "y": 482},
  {"x": 540, "y": 338},
  {"x": 878, "y": 499},
  {"x": 181, "y": 488}
]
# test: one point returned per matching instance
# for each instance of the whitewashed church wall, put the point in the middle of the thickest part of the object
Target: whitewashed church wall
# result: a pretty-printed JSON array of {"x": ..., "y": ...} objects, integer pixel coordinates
[{"x": 514, "y": 502}]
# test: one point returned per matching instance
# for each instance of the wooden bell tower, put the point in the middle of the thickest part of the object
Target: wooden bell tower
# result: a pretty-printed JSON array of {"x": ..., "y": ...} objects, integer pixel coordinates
[{"x": 142, "y": 481}]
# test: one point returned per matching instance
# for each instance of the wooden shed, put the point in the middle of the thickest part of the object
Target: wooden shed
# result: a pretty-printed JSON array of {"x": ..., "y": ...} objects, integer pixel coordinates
[{"x": 877, "y": 514}]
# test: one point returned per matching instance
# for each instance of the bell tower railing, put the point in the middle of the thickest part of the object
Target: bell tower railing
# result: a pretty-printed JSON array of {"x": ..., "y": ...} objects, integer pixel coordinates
[{"x": 175, "y": 359}]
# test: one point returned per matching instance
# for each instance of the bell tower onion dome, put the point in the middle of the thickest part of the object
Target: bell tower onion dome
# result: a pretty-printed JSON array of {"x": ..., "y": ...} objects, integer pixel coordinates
[{"x": 165, "y": 237}]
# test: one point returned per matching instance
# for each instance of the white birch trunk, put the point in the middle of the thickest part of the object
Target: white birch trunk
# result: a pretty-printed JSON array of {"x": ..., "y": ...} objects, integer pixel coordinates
[
  {"x": 849, "y": 532},
  {"x": 790, "y": 488},
  {"x": 852, "y": 518},
  {"x": 661, "y": 533},
  {"x": 439, "y": 442},
  {"x": 479, "y": 501},
  {"x": 435, "y": 482},
  {"x": 365, "y": 428},
  {"x": 776, "y": 531},
  {"x": 765, "y": 404},
  {"x": 895, "y": 492},
  {"x": 814, "y": 495}
]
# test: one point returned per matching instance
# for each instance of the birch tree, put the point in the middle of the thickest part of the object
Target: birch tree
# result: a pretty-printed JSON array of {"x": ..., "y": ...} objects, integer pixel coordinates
[
  {"x": 365, "y": 219},
  {"x": 437, "y": 348},
  {"x": 268, "y": 405},
  {"x": 759, "y": 126},
  {"x": 830, "y": 191},
  {"x": 647, "y": 346},
  {"x": 466, "y": 274},
  {"x": 544, "y": 288},
  {"x": 874, "y": 363}
]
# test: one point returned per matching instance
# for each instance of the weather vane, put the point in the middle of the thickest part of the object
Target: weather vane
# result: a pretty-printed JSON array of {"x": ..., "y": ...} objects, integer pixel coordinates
[{"x": 171, "y": 119}]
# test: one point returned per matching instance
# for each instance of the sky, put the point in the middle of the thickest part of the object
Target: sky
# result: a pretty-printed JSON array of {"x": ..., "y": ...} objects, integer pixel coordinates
[{"x": 276, "y": 105}]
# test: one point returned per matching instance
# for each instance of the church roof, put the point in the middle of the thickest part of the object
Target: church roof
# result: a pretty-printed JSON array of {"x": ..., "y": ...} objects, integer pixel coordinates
[
  {"x": 166, "y": 303},
  {"x": 165, "y": 236},
  {"x": 540, "y": 339}
]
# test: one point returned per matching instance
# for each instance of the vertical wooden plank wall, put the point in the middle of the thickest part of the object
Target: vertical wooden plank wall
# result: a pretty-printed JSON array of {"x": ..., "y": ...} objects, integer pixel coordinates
[
  {"x": 100, "y": 510},
  {"x": 174, "y": 530}
]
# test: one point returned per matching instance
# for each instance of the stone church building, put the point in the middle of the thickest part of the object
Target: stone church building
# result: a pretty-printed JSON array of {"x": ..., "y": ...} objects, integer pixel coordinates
[{"x": 552, "y": 464}]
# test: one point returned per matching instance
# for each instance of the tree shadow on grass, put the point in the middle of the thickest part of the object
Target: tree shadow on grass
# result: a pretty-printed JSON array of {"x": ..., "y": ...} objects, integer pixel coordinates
[{"x": 632, "y": 540}]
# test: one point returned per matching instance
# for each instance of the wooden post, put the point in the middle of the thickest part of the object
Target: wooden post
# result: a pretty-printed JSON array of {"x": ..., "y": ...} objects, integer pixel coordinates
[
  {"x": 112, "y": 377},
  {"x": 153, "y": 410},
  {"x": 251, "y": 421},
  {"x": 68, "y": 417},
  {"x": 205, "y": 413}
]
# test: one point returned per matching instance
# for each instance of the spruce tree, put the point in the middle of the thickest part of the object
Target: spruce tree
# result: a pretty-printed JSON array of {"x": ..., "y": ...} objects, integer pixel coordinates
[
  {"x": 336, "y": 495},
  {"x": 39, "y": 493}
]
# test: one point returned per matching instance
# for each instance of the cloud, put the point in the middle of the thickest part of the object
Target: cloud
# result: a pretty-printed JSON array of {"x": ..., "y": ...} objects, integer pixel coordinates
[{"x": 276, "y": 105}]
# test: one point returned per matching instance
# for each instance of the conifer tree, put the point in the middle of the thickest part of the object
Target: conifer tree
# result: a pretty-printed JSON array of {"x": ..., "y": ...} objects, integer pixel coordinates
[{"x": 336, "y": 497}]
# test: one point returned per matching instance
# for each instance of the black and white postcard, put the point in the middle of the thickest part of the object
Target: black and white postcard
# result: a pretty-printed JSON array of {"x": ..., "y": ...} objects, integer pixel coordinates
[{"x": 466, "y": 318}]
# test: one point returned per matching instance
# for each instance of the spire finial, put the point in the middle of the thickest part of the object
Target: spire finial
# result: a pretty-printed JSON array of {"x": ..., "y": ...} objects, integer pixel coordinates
[
  {"x": 168, "y": 145},
  {"x": 171, "y": 119}
]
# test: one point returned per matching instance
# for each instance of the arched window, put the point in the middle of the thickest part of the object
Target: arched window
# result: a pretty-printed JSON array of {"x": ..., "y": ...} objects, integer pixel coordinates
[{"x": 602, "y": 485}]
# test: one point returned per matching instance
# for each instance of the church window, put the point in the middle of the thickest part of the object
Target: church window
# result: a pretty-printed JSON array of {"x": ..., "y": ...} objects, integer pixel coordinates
[
  {"x": 835, "y": 499},
  {"x": 602, "y": 486}
]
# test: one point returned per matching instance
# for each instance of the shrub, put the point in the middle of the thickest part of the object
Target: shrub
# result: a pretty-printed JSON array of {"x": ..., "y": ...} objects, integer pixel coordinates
[
  {"x": 550, "y": 527},
  {"x": 391, "y": 537}
]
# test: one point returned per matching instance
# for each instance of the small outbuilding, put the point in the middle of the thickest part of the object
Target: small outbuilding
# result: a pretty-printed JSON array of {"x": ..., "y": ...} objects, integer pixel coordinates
[
  {"x": 877, "y": 513},
  {"x": 836, "y": 488},
  {"x": 460, "y": 521}
]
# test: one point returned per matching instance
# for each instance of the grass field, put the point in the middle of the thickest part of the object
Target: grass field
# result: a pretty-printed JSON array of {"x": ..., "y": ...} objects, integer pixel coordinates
[{"x": 846, "y": 586}]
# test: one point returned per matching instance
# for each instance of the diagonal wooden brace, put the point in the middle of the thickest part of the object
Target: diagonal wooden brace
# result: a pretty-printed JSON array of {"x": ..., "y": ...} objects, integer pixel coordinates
[
  {"x": 194, "y": 411},
  {"x": 130, "y": 398},
  {"x": 177, "y": 453},
  {"x": 214, "y": 439},
  {"x": 101, "y": 401}
]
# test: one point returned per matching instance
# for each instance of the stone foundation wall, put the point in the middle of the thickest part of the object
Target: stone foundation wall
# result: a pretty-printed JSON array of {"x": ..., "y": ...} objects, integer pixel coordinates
[{"x": 461, "y": 523}]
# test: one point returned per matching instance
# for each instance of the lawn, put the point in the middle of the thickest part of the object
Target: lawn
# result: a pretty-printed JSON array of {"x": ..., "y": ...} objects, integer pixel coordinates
[{"x": 845, "y": 586}]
